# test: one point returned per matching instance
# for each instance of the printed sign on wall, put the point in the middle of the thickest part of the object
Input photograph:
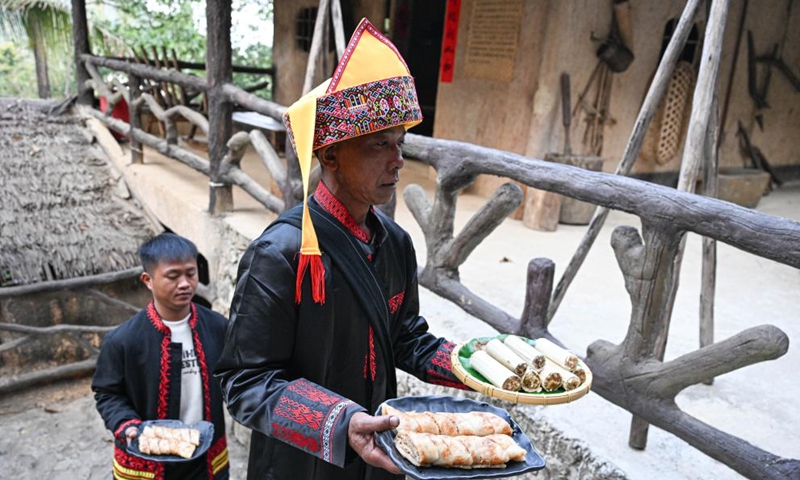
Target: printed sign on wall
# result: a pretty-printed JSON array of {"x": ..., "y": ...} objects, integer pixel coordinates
[{"x": 493, "y": 38}]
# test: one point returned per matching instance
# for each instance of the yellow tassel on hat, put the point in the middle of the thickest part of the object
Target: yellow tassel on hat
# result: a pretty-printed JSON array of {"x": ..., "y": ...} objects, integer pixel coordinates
[{"x": 371, "y": 68}]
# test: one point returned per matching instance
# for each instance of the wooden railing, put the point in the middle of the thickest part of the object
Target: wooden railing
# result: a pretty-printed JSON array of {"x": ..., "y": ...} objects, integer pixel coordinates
[{"x": 633, "y": 374}]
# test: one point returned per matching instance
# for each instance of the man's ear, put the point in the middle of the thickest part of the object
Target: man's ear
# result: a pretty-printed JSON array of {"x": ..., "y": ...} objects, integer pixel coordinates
[
  {"x": 147, "y": 280},
  {"x": 327, "y": 156}
]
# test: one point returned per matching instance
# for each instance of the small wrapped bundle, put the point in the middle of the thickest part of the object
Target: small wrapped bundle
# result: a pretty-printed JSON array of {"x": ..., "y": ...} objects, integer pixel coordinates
[
  {"x": 159, "y": 440},
  {"x": 465, "y": 451},
  {"x": 446, "y": 423},
  {"x": 531, "y": 383},
  {"x": 525, "y": 351},
  {"x": 500, "y": 352},
  {"x": 569, "y": 380},
  {"x": 563, "y": 357},
  {"x": 580, "y": 372},
  {"x": 494, "y": 371},
  {"x": 551, "y": 376}
]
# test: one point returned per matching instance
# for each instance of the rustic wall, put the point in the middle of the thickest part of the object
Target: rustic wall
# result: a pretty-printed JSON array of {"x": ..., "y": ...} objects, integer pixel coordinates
[
  {"x": 290, "y": 61},
  {"x": 62, "y": 308},
  {"x": 523, "y": 115}
]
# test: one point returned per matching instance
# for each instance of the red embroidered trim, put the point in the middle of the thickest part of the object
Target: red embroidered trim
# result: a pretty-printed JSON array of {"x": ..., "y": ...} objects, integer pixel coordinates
[
  {"x": 299, "y": 413},
  {"x": 201, "y": 360},
  {"x": 155, "y": 319},
  {"x": 295, "y": 438},
  {"x": 309, "y": 391},
  {"x": 333, "y": 206},
  {"x": 135, "y": 463},
  {"x": 436, "y": 379},
  {"x": 396, "y": 302},
  {"x": 442, "y": 356},
  {"x": 369, "y": 358},
  {"x": 120, "y": 432},
  {"x": 164, "y": 381}
]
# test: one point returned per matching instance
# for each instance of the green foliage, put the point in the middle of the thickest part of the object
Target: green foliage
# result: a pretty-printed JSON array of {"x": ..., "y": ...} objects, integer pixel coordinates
[
  {"x": 19, "y": 19},
  {"x": 17, "y": 77},
  {"x": 18, "y": 73},
  {"x": 144, "y": 24},
  {"x": 118, "y": 28}
]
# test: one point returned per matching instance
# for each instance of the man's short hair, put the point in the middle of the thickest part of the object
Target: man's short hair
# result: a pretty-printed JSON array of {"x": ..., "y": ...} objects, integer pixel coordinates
[{"x": 166, "y": 247}]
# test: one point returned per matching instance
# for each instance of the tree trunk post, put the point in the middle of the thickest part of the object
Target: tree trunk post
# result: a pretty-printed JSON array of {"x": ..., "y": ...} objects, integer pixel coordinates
[
  {"x": 533, "y": 321},
  {"x": 80, "y": 40},
  {"x": 220, "y": 109},
  {"x": 134, "y": 84},
  {"x": 40, "y": 58}
]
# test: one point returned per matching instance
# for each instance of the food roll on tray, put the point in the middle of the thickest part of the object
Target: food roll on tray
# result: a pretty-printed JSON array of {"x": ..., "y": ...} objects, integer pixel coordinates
[{"x": 444, "y": 423}]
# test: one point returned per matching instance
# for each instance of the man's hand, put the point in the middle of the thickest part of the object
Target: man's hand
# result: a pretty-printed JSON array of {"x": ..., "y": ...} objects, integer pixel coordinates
[
  {"x": 361, "y": 437},
  {"x": 131, "y": 433}
]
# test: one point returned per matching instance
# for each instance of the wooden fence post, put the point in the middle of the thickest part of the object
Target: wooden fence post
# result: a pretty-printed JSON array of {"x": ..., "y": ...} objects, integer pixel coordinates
[
  {"x": 80, "y": 40},
  {"x": 135, "y": 88},
  {"x": 220, "y": 109}
]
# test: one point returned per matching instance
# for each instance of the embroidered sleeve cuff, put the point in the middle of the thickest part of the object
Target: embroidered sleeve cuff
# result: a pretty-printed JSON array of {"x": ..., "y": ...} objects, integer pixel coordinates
[
  {"x": 120, "y": 431},
  {"x": 314, "y": 420},
  {"x": 439, "y": 369}
]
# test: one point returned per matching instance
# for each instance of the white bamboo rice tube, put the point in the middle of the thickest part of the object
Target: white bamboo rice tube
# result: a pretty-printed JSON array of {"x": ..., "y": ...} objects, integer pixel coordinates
[
  {"x": 581, "y": 374},
  {"x": 494, "y": 371},
  {"x": 524, "y": 350},
  {"x": 531, "y": 383},
  {"x": 551, "y": 376},
  {"x": 569, "y": 380},
  {"x": 561, "y": 356},
  {"x": 500, "y": 352}
]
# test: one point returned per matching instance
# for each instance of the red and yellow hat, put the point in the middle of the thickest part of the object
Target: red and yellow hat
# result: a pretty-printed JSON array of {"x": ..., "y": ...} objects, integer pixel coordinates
[{"x": 371, "y": 90}]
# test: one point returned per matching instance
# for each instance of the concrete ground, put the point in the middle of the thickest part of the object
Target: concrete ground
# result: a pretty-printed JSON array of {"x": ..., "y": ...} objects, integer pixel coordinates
[{"x": 756, "y": 403}]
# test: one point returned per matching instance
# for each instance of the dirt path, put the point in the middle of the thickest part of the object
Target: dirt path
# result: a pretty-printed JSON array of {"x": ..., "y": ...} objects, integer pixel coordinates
[{"x": 56, "y": 433}]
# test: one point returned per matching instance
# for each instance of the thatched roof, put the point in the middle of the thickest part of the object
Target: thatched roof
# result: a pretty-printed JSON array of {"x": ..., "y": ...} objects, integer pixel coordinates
[{"x": 59, "y": 216}]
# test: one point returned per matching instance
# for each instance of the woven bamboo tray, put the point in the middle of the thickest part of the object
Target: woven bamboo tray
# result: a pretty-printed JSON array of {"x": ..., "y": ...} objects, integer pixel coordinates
[{"x": 486, "y": 388}]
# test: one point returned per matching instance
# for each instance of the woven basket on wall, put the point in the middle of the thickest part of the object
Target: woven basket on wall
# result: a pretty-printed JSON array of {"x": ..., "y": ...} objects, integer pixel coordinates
[{"x": 667, "y": 130}]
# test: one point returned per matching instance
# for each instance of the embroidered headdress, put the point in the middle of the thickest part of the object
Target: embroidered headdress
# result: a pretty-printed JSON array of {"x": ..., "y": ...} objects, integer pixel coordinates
[{"x": 371, "y": 90}]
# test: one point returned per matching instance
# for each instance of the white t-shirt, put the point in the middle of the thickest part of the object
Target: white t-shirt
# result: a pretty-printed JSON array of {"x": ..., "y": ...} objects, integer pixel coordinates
[{"x": 191, "y": 384}]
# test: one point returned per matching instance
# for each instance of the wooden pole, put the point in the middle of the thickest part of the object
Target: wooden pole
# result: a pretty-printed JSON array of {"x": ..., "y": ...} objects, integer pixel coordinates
[
  {"x": 338, "y": 28},
  {"x": 135, "y": 86},
  {"x": 80, "y": 40},
  {"x": 71, "y": 283},
  {"x": 695, "y": 148},
  {"x": 657, "y": 90},
  {"x": 708, "y": 284},
  {"x": 316, "y": 45},
  {"x": 220, "y": 109}
]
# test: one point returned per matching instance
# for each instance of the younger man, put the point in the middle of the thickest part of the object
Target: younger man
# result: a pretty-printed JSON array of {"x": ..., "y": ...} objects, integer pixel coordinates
[{"x": 158, "y": 365}]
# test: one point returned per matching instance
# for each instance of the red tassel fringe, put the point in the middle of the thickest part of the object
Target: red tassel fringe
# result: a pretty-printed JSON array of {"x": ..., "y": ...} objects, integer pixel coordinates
[{"x": 317, "y": 278}]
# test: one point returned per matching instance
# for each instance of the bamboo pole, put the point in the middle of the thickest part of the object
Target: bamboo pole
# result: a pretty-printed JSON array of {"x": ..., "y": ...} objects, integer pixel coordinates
[
  {"x": 657, "y": 90},
  {"x": 338, "y": 28},
  {"x": 703, "y": 103},
  {"x": 708, "y": 283},
  {"x": 316, "y": 45}
]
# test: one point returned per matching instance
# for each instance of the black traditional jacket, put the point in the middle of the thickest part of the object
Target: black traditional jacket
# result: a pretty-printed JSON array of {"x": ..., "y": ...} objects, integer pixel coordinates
[
  {"x": 295, "y": 374},
  {"x": 138, "y": 378}
]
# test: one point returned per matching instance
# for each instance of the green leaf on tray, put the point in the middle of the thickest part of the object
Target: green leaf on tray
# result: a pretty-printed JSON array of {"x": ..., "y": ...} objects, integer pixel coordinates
[{"x": 469, "y": 348}]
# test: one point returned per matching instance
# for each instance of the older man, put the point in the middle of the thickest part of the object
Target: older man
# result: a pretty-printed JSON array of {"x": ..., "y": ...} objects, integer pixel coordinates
[{"x": 326, "y": 304}]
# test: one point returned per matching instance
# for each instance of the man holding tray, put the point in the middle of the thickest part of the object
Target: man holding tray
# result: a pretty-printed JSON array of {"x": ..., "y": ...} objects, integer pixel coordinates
[
  {"x": 157, "y": 365},
  {"x": 326, "y": 304}
]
